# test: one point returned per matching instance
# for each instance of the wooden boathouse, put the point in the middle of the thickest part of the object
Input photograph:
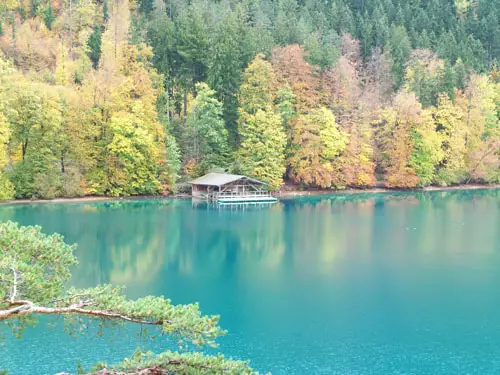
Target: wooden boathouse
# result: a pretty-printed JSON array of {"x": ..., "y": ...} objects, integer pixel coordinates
[{"x": 230, "y": 188}]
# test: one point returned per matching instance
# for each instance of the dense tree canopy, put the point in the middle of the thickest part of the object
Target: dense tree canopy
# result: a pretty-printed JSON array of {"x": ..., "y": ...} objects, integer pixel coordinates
[
  {"x": 205, "y": 140},
  {"x": 119, "y": 98},
  {"x": 34, "y": 271},
  {"x": 263, "y": 140}
]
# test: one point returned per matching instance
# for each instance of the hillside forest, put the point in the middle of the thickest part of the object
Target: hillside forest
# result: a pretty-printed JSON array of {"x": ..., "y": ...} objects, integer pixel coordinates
[{"x": 132, "y": 97}]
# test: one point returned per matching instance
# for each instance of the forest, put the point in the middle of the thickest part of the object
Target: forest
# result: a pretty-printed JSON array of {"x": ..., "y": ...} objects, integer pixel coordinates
[{"x": 136, "y": 97}]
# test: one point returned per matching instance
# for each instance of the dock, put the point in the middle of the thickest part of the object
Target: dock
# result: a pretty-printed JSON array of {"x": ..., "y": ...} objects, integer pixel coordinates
[{"x": 231, "y": 189}]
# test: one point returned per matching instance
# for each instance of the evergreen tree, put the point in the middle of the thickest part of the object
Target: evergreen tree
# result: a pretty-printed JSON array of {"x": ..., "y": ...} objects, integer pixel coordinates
[
  {"x": 205, "y": 131},
  {"x": 287, "y": 23},
  {"x": 94, "y": 45},
  {"x": 49, "y": 17},
  {"x": 192, "y": 46},
  {"x": 105, "y": 11},
  {"x": 224, "y": 74},
  {"x": 400, "y": 47}
]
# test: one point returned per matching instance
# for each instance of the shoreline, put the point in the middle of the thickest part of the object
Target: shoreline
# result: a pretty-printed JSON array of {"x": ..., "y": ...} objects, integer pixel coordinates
[
  {"x": 285, "y": 194},
  {"x": 379, "y": 190}
]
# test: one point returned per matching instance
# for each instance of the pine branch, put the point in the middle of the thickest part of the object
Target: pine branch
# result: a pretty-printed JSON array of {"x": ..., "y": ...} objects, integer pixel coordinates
[
  {"x": 175, "y": 363},
  {"x": 27, "y": 307}
]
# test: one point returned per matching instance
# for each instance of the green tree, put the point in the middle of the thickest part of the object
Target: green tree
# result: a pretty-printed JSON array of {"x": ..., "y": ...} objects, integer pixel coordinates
[
  {"x": 35, "y": 269},
  {"x": 192, "y": 45},
  {"x": 206, "y": 134},
  {"x": 427, "y": 76},
  {"x": 226, "y": 64},
  {"x": 286, "y": 30},
  {"x": 94, "y": 46},
  {"x": 49, "y": 17},
  {"x": 323, "y": 51},
  {"x": 285, "y": 102},
  {"x": 262, "y": 151},
  {"x": 172, "y": 163},
  {"x": 400, "y": 47}
]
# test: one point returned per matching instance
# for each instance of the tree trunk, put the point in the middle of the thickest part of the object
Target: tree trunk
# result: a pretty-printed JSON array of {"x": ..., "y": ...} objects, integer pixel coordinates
[
  {"x": 185, "y": 102},
  {"x": 71, "y": 29},
  {"x": 62, "y": 163},
  {"x": 14, "y": 30},
  {"x": 115, "y": 20},
  {"x": 24, "y": 147}
]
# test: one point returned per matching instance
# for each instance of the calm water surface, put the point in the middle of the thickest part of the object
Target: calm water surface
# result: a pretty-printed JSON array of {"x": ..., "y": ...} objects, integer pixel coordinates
[{"x": 371, "y": 284}]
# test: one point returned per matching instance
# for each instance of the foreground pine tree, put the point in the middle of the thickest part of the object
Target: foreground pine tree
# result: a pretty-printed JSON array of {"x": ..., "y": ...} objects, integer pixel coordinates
[{"x": 34, "y": 269}]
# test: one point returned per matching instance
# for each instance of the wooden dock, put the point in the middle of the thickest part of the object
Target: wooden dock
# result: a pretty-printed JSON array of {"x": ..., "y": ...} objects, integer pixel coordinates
[
  {"x": 231, "y": 189},
  {"x": 247, "y": 197}
]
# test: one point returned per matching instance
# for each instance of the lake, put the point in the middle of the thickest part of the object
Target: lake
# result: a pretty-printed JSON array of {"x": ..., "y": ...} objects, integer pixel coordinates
[{"x": 342, "y": 284}]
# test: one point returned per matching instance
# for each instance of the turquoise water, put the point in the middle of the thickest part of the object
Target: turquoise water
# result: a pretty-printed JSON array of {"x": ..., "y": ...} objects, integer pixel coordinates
[{"x": 371, "y": 284}]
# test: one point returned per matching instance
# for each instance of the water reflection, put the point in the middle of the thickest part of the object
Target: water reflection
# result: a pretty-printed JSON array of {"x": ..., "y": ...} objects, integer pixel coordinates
[
  {"x": 134, "y": 243},
  {"x": 360, "y": 272}
]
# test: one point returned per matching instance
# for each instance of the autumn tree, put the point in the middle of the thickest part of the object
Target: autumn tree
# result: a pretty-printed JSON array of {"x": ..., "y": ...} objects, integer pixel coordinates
[
  {"x": 427, "y": 151},
  {"x": 129, "y": 152},
  {"x": 394, "y": 135},
  {"x": 479, "y": 105},
  {"x": 35, "y": 119},
  {"x": 35, "y": 270},
  {"x": 262, "y": 148},
  {"x": 450, "y": 124},
  {"x": 353, "y": 104},
  {"x": 6, "y": 188},
  {"x": 78, "y": 102},
  {"x": 317, "y": 141},
  {"x": 292, "y": 69}
]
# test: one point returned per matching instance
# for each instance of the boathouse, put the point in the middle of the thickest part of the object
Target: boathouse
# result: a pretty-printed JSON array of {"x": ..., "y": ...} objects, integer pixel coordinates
[{"x": 230, "y": 188}]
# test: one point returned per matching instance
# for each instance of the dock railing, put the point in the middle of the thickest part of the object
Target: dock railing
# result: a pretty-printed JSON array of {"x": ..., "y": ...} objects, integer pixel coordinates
[{"x": 240, "y": 195}]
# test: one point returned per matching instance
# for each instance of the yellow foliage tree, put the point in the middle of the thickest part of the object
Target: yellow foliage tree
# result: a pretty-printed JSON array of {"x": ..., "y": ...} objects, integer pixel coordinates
[
  {"x": 397, "y": 124},
  {"x": 478, "y": 103},
  {"x": 317, "y": 141},
  {"x": 451, "y": 125}
]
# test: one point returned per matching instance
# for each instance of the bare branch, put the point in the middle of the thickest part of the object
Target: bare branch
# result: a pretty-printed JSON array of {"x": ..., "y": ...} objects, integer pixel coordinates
[
  {"x": 15, "y": 282},
  {"x": 26, "y": 307}
]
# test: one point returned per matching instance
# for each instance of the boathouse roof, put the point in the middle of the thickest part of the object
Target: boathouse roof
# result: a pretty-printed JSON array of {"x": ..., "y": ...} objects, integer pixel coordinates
[{"x": 220, "y": 179}]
